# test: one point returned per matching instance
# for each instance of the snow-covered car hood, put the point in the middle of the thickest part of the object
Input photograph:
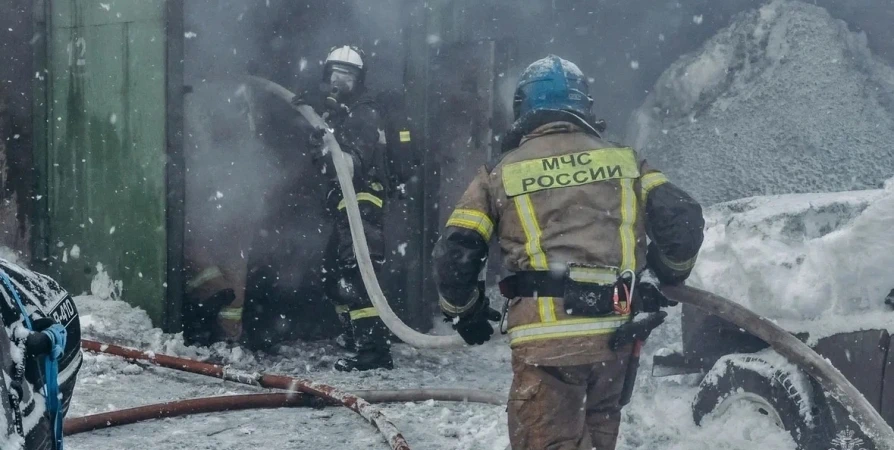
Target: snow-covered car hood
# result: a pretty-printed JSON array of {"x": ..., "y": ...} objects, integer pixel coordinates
[{"x": 820, "y": 263}]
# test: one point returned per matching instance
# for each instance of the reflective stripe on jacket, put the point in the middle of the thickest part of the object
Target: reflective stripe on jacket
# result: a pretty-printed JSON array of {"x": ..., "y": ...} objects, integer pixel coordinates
[{"x": 563, "y": 197}]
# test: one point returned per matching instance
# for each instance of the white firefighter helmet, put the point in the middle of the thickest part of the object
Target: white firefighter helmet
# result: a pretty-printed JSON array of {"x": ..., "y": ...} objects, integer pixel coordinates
[{"x": 345, "y": 57}]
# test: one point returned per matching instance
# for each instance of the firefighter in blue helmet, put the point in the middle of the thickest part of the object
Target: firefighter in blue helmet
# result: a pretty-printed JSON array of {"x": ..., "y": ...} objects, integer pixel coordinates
[{"x": 573, "y": 214}]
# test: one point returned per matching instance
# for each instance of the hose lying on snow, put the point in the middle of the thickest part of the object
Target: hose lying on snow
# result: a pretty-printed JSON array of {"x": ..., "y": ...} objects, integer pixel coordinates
[
  {"x": 343, "y": 169},
  {"x": 372, "y": 414},
  {"x": 165, "y": 410},
  {"x": 797, "y": 352},
  {"x": 224, "y": 403}
]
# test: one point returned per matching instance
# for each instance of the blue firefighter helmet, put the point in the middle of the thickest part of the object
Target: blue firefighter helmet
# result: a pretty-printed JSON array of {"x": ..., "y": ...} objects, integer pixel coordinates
[{"x": 553, "y": 84}]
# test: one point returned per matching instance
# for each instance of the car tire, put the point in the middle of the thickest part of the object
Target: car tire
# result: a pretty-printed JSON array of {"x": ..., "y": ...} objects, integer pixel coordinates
[{"x": 786, "y": 397}]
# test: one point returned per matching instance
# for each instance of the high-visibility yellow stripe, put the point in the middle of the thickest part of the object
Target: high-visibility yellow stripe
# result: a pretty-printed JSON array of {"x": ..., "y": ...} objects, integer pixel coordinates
[
  {"x": 565, "y": 329},
  {"x": 560, "y": 335},
  {"x": 595, "y": 275},
  {"x": 203, "y": 277},
  {"x": 364, "y": 313},
  {"x": 525, "y": 210},
  {"x": 453, "y": 310},
  {"x": 650, "y": 181},
  {"x": 677, "y": 266},
  {"x": 341, "y": 309},
  {"x": 231, "y": 313},
  {"x": 547, "y": 307},
  {"x": 583, "y": 321},
  {"x": 472, "y": 220},
  {"x": 628, "y": 221},
  {"x": 363, "y": 197},
  {"x": 405, "y": 136}
]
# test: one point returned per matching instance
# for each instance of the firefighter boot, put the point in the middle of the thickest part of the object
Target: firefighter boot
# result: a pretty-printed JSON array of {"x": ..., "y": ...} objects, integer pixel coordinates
[
  {"x": 373, "y": 348},
  {"x": 345, "y": 340}
]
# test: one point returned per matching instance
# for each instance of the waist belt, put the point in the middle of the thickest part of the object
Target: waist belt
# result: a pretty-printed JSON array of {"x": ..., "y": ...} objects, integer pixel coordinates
[
  {"x": 533, "y": 284},
  {"x": 543, "y": 283}
]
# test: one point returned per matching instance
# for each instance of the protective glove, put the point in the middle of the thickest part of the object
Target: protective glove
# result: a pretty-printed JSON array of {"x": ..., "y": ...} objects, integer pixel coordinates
[
  {"x": 320, "y": 155},
  {"x": 649, "y": 299},
  {"x": 315, "y": 138},
  {"x": 636, "y": 330},
  {"x": 889, "y": 300},
  {"x": 473, "y": 327}
]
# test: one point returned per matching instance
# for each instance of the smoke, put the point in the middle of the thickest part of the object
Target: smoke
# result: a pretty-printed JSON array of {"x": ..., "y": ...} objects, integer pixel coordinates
[
  {"x": 623, "y": 46},
  {"x": 249, "y": 178}
]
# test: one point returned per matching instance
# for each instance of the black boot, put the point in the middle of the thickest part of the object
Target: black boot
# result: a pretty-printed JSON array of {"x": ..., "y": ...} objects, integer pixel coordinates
[
  {"x": 345, "y": 340},
  {"x": 373, "y": 349},
  {"x": 200, "y": 317},
  {"x": 366, "y": 360}
]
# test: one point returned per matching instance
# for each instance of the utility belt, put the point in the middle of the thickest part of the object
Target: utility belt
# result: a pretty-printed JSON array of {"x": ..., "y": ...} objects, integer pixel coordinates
[{"x": 589, "y": 291}]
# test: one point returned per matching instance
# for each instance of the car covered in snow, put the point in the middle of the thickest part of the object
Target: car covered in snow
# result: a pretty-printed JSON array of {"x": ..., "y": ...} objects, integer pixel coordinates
[{"x": 819, "y": 266}]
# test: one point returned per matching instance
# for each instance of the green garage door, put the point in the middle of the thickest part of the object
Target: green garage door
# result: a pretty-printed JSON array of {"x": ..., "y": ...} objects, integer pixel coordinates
[{"x": 105, "y": 174}]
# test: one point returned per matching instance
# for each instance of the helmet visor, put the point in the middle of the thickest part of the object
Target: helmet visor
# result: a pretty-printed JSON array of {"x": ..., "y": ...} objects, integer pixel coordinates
[{"x": 343, "y": 77}]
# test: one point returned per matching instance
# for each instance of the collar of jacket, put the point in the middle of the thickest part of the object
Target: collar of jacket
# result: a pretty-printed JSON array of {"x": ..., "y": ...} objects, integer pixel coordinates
[{"x": 551, "y": 128}]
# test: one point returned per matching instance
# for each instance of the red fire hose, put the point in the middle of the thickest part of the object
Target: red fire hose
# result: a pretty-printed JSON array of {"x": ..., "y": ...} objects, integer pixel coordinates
[
  {"x": 352, "y": 402},
  {"x": 187, "y": 407}
]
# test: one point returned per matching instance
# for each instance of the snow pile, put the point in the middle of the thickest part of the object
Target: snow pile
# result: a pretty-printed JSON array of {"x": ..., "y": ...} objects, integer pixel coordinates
[
  {"x": 817, "y": 263},
  {"x": 11, "y": 255},
  {"x": 103, "y": 286},
  {"x": 784, "y": 100}
]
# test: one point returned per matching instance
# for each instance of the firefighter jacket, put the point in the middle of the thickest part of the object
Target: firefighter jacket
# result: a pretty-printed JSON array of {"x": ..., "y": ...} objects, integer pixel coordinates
[
  {"x": 360, "y": 133},
  {"x": 565, "y": 197}
]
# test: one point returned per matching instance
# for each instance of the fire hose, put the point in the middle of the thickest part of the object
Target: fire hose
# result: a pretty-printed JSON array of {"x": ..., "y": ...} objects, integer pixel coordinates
[
  {"x": 359, "y": 402},
  {"x": 165, "y": 410},
  {"x": 344, "y": 169},
  {"x": 224, "y": 403},
  {"x": 783, "y": 342},
  {"x": 352, "y": 402},
  {"x": 797, "y": 352}
]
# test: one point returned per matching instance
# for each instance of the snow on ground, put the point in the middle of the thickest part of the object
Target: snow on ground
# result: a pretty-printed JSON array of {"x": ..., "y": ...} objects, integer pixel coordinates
[
  {"x": 659, "y": 416},
  {"x": 823, "y": 257}
]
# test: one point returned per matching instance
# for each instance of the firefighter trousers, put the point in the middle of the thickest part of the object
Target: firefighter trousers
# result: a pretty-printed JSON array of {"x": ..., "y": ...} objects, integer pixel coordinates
[{"x": 566, "y": 408}]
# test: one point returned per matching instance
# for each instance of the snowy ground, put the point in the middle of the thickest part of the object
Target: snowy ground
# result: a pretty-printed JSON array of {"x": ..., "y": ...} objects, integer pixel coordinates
[
  {"x": 108, "y": 383},
  {"x": 821, "y": 258},
  {"x": 806, "y": 252}
]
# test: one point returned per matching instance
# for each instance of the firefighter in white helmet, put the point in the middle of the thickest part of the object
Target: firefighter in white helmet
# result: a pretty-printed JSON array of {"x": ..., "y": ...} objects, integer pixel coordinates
[{"x": 358, "y": 126}]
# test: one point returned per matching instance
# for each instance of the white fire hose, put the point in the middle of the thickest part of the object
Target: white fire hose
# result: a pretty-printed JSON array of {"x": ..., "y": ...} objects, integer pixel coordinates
[
  {"x": 344, "y": 171},
  {"x": 783, "y": 342}
]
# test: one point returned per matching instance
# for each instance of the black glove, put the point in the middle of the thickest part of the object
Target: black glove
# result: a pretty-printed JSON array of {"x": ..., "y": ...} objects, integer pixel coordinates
[
  {"x": 648, "y": 298},
  {"x": 634, "y": 331},
  {"x": 474, "y": 327},
  {"x": 315, "y": 138},
  {"x": 889, "y": 300}
]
